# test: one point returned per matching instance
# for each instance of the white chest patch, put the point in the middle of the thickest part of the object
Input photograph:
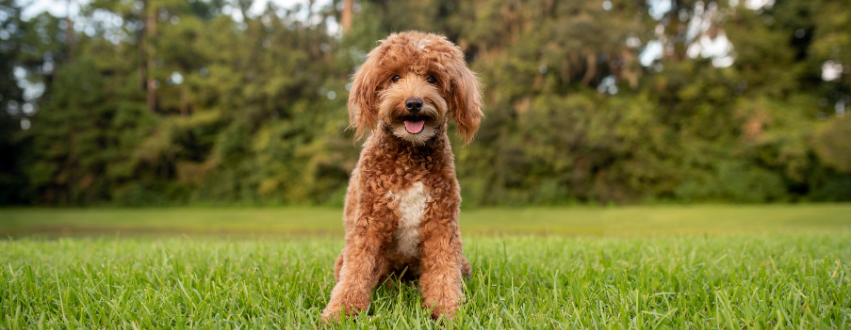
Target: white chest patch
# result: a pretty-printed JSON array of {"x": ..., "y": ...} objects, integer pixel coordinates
[{"x": 411, "y": 204}]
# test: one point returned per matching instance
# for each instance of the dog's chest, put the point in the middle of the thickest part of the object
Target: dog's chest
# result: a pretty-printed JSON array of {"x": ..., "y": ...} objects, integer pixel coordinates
[{"x": 411, "y": 205}]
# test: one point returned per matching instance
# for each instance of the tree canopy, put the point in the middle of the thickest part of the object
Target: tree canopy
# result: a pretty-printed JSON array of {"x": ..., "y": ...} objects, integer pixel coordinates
[{"x": 157, "y": 102}]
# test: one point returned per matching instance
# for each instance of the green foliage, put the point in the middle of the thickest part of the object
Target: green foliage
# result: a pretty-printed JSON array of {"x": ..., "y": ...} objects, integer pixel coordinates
[{"x": 253, "y": 111}]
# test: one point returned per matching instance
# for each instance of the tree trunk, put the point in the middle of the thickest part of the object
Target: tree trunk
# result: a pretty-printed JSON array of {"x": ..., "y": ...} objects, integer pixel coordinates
[
  {"x": 184, "y": 101},
  {"x": 346, "y": 15},
  {"x": 69, "y": 31},
  {"x": 591, "y": 70},
  {"x": 142, "y": 69},
  {"x": 244, "y": 5},
  {"x": 151, "y": 30}
]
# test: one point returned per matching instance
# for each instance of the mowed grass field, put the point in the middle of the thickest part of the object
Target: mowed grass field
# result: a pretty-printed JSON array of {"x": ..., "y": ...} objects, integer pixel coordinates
[
  {"x": 731, "y": 267},
  {"x": 583, "y": 221}
]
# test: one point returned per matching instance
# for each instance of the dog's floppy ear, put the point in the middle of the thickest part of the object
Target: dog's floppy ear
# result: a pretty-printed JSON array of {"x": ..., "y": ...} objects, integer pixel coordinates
[
  {"x": 466, "y": 98},
  {"x": 363, "y": 111}
]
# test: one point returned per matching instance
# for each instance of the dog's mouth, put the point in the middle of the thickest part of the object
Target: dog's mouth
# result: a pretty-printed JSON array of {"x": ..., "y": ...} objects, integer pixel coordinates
[
  {"x": 414, "y": 124},
  {"x": 416, "y": 128}
]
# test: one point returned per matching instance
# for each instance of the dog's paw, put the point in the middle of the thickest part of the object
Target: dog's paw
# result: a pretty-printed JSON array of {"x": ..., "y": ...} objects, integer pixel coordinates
[
  {"x": 447, "y": 315},
  {"x": 466, "y": 269},
  {"x": 446, "y": 309},
  {"x": 331, "y": 315},
  {"x": 351, "y": 308}
]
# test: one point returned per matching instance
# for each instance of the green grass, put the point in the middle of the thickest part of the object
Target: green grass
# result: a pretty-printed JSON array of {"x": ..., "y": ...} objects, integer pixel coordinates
[
  {"x": 766, "y": 267},
  {"x": 619, "y": 221}
]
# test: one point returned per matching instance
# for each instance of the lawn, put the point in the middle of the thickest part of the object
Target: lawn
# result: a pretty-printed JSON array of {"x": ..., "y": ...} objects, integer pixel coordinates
[
  {"x": 761, "y": 267},
  {"x": 606, "y": 221}
]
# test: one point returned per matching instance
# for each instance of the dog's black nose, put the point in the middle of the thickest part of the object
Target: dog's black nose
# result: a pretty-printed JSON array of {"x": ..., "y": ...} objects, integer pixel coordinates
[{"x": 414, "y": 104}]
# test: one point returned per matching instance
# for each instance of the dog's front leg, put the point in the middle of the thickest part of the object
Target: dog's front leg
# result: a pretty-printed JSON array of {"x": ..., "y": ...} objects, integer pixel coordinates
[
  {"x": 441, "y": 259},
  {"x": 363, "y": 264}
]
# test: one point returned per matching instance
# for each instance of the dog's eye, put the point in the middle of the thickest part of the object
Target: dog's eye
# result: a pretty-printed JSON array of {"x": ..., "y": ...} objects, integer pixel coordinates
[
  {"x": 396, "y": 78},
  {"x": 431, "y": 79}
]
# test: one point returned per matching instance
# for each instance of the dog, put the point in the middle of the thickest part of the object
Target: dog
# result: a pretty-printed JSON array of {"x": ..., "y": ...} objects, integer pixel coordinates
[{"x": 402, "y": 203}]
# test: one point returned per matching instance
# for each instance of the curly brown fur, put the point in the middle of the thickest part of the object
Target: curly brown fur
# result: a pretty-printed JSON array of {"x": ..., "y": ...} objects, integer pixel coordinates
[{"x": 402, "y": 204}]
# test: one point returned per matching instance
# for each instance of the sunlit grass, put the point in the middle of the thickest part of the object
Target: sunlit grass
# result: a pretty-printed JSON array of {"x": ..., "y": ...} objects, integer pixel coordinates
[
  {"x": 759, "y": 267},
  {"x": 760, "y": 281},
  {"x": 620, "y": 221}
]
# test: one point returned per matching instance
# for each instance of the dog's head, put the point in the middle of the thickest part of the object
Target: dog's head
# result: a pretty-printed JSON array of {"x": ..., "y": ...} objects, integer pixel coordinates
[{"x": 415, "y": 82}]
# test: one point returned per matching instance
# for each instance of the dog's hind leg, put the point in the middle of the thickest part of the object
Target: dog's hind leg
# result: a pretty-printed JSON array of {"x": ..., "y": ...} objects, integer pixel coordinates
[
  {"x": 338, "y": 265},
  {"x": 349, "y": 211},
  {"x": 358, "y": 276},
  {"x": 466, "y": 270},
  {"x": 364, "y": 262}
]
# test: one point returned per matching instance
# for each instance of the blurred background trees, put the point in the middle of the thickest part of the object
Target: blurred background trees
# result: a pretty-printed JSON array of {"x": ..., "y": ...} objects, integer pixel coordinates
[{"x": 154, "y": 102}]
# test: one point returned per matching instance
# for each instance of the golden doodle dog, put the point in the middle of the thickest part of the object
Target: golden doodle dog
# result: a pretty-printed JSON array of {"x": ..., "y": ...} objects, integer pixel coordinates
[{"x": 402, "y": 203}]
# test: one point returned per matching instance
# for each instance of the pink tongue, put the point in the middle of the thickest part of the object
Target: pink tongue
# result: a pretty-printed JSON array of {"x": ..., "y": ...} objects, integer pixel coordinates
[{"x": 414, "y": 127}]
